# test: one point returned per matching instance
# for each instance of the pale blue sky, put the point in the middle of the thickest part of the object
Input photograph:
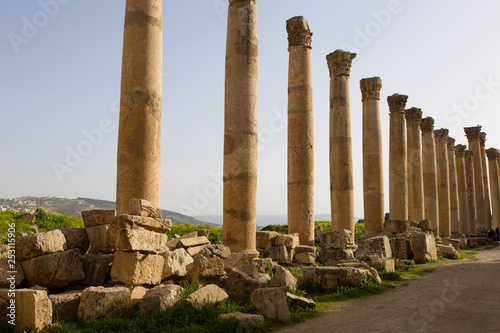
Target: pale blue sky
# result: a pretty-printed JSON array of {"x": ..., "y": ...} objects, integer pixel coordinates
[{"x": 65, "y": 79}]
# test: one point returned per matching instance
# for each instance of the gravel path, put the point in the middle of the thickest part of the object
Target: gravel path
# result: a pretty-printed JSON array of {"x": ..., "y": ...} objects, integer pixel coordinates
[{"x": 460, "y": 296}]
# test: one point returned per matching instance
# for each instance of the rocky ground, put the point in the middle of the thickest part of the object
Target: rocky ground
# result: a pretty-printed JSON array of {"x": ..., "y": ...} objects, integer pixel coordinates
[{"x": 459, "y": 296}]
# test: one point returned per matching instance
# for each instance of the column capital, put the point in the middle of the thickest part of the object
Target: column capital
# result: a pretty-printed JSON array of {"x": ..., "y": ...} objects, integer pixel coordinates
[
  {"x": 427, "y": 125},
  {"x": 460, "y": 151},
  {"x": 482, "y": 139},
  {"x": 397, "y": 103},
  {"x": 492, "y": 153},
  {"x": 413, "y": 116},
  {"x": 370, "y": 88},
  {"x": 441, "y": 135},
  {"x": 472, "y": 133},
  {"x": 451, "y": 143},
  {"x": 299, "y": 33},
  {"x": 339, "y": 62}
]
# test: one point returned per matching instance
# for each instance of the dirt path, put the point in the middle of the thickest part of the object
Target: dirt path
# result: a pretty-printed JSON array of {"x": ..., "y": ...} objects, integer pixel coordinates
[{"x": 460, "y": 296}]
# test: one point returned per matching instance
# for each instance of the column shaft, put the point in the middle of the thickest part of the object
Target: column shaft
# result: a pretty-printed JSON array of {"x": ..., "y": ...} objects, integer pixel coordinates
[
  {"x": 486, "y": 184},
  {"x": 454, "y": 204},
  {"x": 300, "y": 132},
  {"x": 471, "y": 196},
  {"x": 462, "y": 188},
  {"x": 429, "y": 169},
  {"x": 443, "y": 181},
  {"x": 492, "y": 154},
  {"x": 398, "y": 179},
  {"x": 139, "y": 135},
  {"x": 373, "y": 173},
  {"x": 240, "y": 127},
  {"x": 341, "y": 181},
  {"x": 414, "y": 160}
]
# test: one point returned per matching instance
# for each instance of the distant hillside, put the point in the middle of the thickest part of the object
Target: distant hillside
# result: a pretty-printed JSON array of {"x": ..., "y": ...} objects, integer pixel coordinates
[{"x": 74, "y": 207}]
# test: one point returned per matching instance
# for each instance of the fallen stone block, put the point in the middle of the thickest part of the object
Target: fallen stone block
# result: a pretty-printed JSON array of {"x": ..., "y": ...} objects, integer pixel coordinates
[
  {"x": 218, "y": 250},
  {"x": 379, "y": 245},
  {"x": 136, "y": 294},
  {"x": 65, "y": 305},
  {"x": 39, "y": 244},
  {"x": 401, "y": 248},
  {"x": 283, "y": 278},
  {"x": 244, "y": 318},
  {"x": 265, "y": 239},
  {"x": 5, "y": 277},
  {"x": 384, "y": 264},
  {"x": 303, "y": 302},
  {"x": 337, "y": 240},
  {"x": 253, "y": 271},
  {"x": 290, "y": 241},
  {"x": 99, "y": 240},
  {"x": 333, "y": 256},
  {"x": 193, "y": 242},
  {"x": 447, "y": 251},
  {"x": 175, "y": 240},
  {"x": 96, "y": 267},
  {"x": 305, "y": 258},
  {"x": 33, "y": 309},
  {"x": 160, "y": 297},
  {"x": 54, "y": 270},
  {"x": 425, "y": 226},
  {"x": 456, "y": 243},
  {"x": 96, "y": 217},
  {"x": 423, "y": 246},
  {"x": 305, "y": 249},
  {"x": 135, "y": 268},
  {"x": 140, "y": 222},
  {"x": 397, "y": 226},
  {"x": 175, "y": 263},
  {"x": 100, "y": 302},
  {"x": 141, "y": 207},
  {"x": 240, "y": 285},
  {"x": 271, "y": 302},
  {"x": 206, "y": 271},
  {"x": 237, "y": 259},
  {"x": 210, "y": 294},
  {"x": 329, "y": 278},
  {"x": 76, "y": 238},
  {"x": 278, "y": 253},
  {"x": 264, "y": 264},
  {"x": 136, "y": 233}
]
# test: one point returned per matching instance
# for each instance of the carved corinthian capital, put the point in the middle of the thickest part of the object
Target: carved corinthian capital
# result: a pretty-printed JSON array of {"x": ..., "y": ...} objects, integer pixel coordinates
[
  {"x": 397, "y": 103},
  {"x": 441, "y": 135},
  {"x": 492, "y": 153},
  {"x": 460, "y": 151},
  {"x": 427, "y": 125},
  {"x": 298, "y": 32},
  {"x": 482, "y": 139},
  {"x": 451, "y": 143},
  {"x": 370, "y": 88},
  {"x": 472, "y": 133},
  {"x": 339, "y": 63},
  {"x": 413, "y": 116}
]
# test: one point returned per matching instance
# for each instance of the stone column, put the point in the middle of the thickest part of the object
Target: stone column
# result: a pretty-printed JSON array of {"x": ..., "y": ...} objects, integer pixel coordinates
[
  {"x": 341, "y": 182},
  {"x": 240, "y": 127},
  {"x": 300, "y": 132},
  {"x": 139, "y": 134},
  {"x": 486, "y": 185},
  {"x": 373, "y": 169},
  {"x": 414, "y": 160},
  {"x": 462, "y": 188},
  {"x": 398, "y": 179},
  {"x": 472, "y": 134},
  {"x": 452, "y": 173},
  {"x": 492, "y": 154},
  {"x": 471, "y": 197},
  {"x": 443, "y": 181},
  {"x": 429, "y": 173}
]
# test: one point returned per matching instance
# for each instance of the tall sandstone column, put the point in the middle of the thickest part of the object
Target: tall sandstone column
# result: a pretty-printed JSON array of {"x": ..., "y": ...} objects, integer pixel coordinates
[
  {"x": 452, "y": 173},
  {"x": 462, "y": 188},
  {"x": 300, "y": 132},
  {"x": 240, "y": 127},
  {"x": 492, "y": 154},
  {"x": 429, "y": 169},
  {"x": 341, "y": 182},
  {"x": 139, "y": 134},
  {"x": 414, "y": 160},
  {"x": 471, "y": 197},
  {"x": 486, "y": 185},
  {"x": 373, "y": 169},
  {"x": 443, "y": 181},
  {"x": 472, "y": 134},
  {"x": 398, "y": 179}
]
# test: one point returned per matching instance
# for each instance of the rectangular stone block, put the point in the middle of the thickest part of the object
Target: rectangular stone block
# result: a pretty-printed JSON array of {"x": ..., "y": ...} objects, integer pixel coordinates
[
  {"x": 140, "y": 222},
  {"x": 379, "y": 245},
  {"x": 96, "y": 268},
  {"x": 132, "y": 237},
  {"x": 175, "y": 241},
  {"x": 306, "y": 258},
  {"x": 94, "y": 217},
  {"x": 456, "y": 243},
  {"x": 337, "y": 240},
  {"x": 194, "y": 250},
  {"x": 401, "y": 248},
  {"x": 192, "y": 242},
  {"x": 76, "y": 238},
  {"x": 33, "y": 309},
  {"x": 65, "y": 305},
  {"x": 423, "y": 246},
  {"x": 39, "y": 244},
  {"x": 385, "y": 264},
  {"x": 175, "y": 263},
  {"x": 99, "y": 240},
  {"x": 112, "y": 303},
  {"x": 333, "y": 256},
  {"x": 54, "y": 270},
  {"x": 206, "y": 271},
  {"x": 266, "y": 239},
  {"x": 278, "y": 253},
  {"x": 397, "y": 226},
  {"x": 141, "y": 207},
  {"x": 290, "y": 241},
  {"x": 135, "y": 268},
  {"x": 305, "y": 248}
]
